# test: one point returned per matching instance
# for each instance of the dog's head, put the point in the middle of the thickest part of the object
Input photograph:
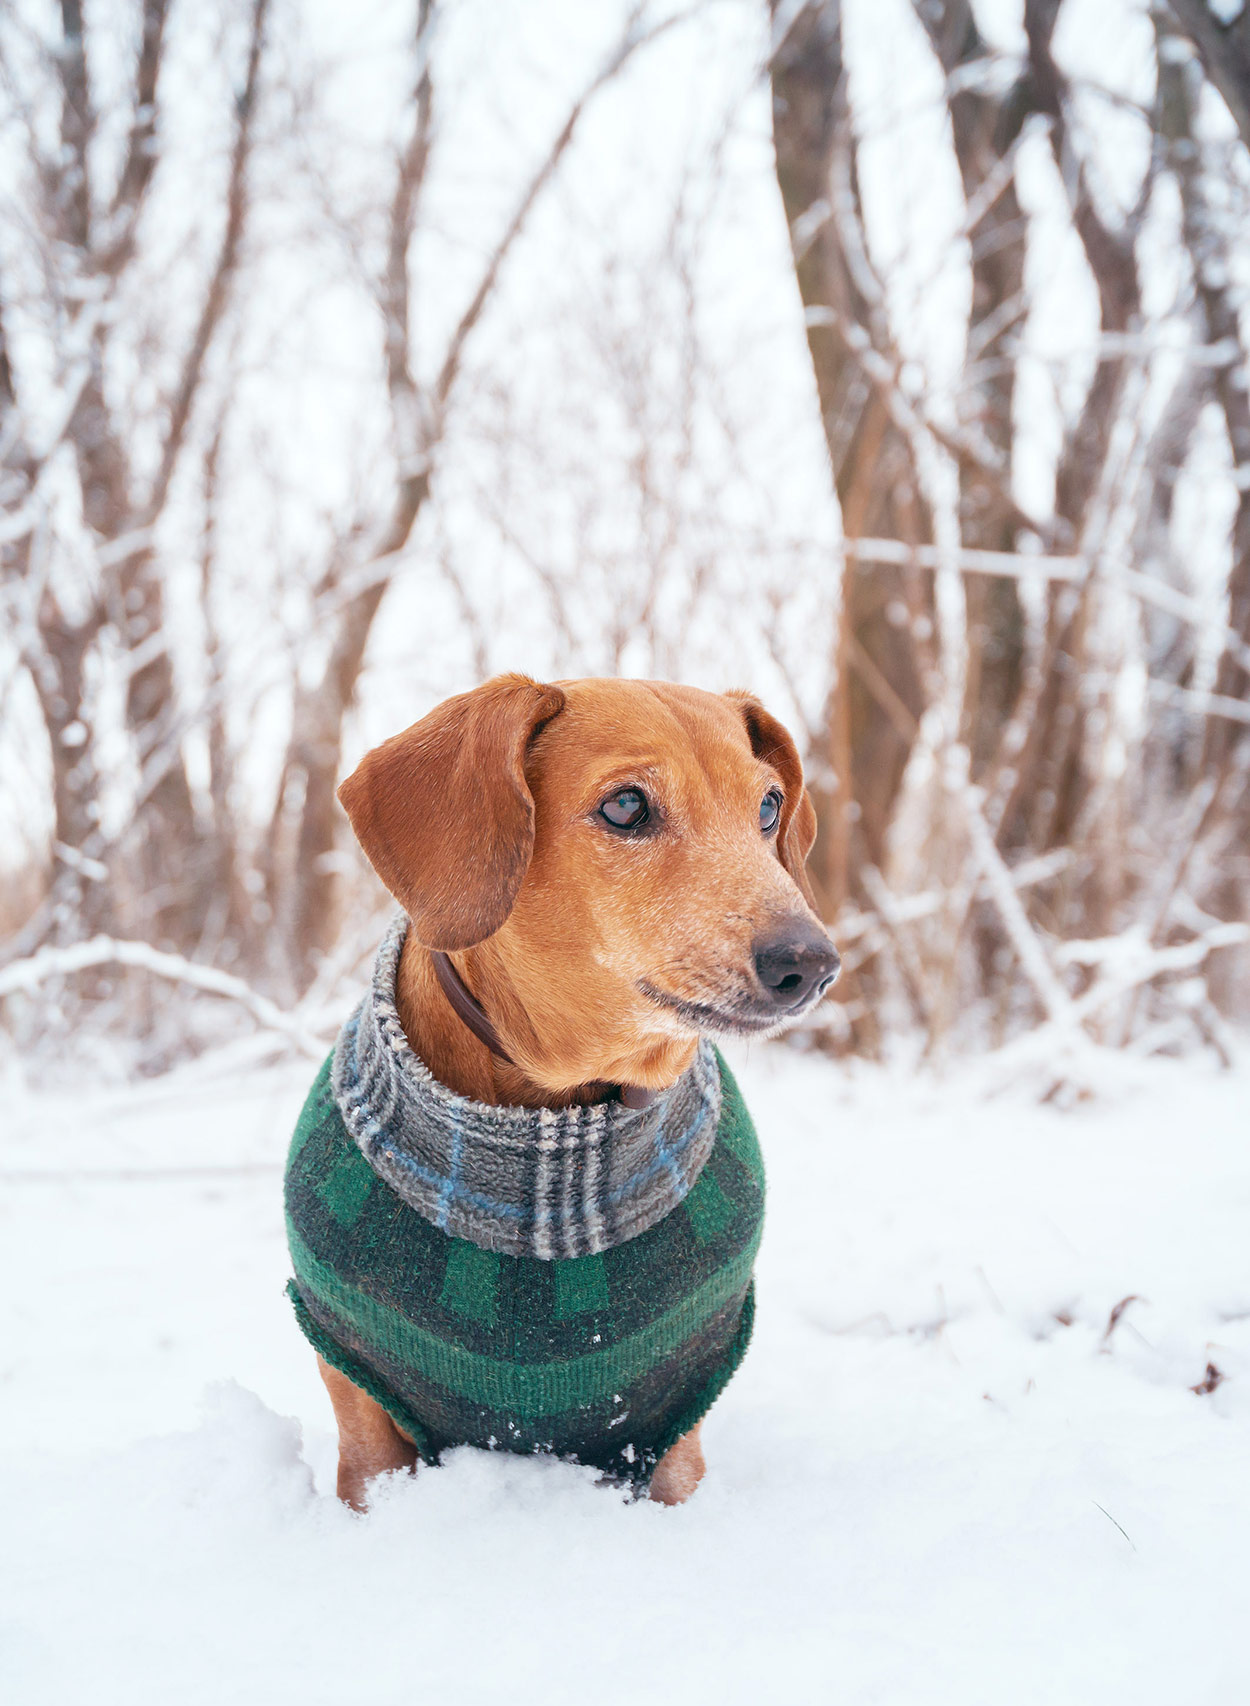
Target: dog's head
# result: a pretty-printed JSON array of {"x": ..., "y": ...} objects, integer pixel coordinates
[{"x": 632, "y": 852}]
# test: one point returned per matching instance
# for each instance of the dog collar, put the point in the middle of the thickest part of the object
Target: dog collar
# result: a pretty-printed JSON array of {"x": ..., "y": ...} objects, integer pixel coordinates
[
  {"x": 469, "y": 1009},
  {"x": 545, "y": 1182}
]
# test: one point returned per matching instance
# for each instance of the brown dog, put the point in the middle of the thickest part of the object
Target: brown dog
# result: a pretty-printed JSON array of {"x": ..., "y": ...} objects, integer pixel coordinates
[{"x": 616, "y": 867}]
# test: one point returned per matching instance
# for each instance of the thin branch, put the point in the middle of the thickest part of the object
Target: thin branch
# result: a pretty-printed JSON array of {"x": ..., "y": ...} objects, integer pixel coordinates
[
  {"x": 141, "y": 151},
  {"x": 218, "y": 292},
  {"x": 631, "y": 41},
  {"x": 395, "y": 285},
  {"x": 1203, "y": 704},
  {"x": 1047, "y": 567},
  {"x": 906, "y": 725},
  {"x": 908, "y": 909},
  {"x": 1024, "y": 939}
]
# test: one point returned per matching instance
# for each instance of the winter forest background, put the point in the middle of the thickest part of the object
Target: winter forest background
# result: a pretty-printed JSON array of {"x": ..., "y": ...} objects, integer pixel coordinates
[{"x": 889, "y": 360}]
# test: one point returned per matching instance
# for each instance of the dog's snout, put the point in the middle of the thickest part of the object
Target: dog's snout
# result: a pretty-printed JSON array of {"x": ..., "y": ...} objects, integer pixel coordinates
[{"x": 795, "y": 963}]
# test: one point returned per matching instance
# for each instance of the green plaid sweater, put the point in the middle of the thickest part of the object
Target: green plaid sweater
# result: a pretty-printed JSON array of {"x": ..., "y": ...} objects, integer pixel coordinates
[{"x": 608, "y": 1358}]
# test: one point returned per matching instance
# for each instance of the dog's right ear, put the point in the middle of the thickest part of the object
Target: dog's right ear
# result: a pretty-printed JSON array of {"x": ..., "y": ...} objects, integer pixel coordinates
[
  {"x": 443, "y": 811},
  {"x": 773, "y": 742}
]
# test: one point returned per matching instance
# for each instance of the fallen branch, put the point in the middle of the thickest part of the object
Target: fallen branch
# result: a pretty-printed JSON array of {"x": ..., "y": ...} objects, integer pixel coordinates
[{"x": 104, "y": 950}]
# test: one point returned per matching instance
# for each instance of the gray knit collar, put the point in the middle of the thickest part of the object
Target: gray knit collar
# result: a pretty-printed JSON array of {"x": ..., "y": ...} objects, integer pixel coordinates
[{"x": 538, "y": 1182}]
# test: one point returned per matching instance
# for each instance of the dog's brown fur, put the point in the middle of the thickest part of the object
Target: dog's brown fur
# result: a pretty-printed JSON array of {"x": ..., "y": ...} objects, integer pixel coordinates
[{"x": 481, "y": 820}]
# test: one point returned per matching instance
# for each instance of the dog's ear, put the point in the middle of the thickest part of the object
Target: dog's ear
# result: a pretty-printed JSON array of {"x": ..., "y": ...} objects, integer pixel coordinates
[
  {"x": 443, "y": 811},
  {"x": 771, "y": 742}
]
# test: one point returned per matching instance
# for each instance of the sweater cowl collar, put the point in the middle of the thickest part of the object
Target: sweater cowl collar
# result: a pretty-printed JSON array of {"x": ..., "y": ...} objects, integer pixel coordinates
[{"x": 545, "y": 1182}]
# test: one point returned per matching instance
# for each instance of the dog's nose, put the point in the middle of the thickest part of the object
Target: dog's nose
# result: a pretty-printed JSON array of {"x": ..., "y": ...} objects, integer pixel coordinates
[{"x": 794, "y": 962}]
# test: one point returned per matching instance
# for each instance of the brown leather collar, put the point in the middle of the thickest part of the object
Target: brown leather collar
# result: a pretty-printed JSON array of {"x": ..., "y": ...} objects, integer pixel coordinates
[
  {"x": 470, "y": 1010},
  {"x": 467, "y": 1006}
]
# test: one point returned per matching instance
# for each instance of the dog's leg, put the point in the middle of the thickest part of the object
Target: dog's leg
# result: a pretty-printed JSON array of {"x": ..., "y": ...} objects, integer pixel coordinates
[
  {"x": 369, "y": 1441},
  {"x": 679, "y": 1471}
]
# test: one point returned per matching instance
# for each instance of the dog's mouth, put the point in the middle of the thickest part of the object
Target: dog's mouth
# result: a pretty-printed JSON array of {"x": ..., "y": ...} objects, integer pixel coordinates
[{"x": 742, "y": 1017}]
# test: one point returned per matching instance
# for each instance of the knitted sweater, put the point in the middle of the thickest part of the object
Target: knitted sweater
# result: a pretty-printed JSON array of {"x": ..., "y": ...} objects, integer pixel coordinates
[{"x": 608, "y": 1357}]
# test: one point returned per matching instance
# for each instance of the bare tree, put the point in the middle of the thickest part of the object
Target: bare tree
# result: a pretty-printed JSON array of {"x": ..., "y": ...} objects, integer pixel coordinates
[
  {"x": 1222, "y": 764},
  {"x": 1025, "y": 725},
  {"x": 85, "y": 244}
]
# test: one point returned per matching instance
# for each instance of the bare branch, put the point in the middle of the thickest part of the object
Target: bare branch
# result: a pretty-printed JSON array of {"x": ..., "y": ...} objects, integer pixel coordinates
[
  {"x": 395, "y": 285},
  {"x": 141, "y": 151},
  {"x": 217, "y": 294},
  {"x": 72, "y": 174},
  {"x": 1037, "y": 968},
  {"x": 104, "y": 950},
  {"x": 632, "y": 39}
]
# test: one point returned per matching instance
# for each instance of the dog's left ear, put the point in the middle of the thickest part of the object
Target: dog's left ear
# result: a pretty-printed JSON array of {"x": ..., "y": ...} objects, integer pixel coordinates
[
  {"x": 444, "y": 813},
  {"x": 771, "y": 742}
]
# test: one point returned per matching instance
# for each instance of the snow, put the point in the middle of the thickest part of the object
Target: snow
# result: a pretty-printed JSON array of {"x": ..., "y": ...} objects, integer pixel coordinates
[{"x": 936, "y": 1477}]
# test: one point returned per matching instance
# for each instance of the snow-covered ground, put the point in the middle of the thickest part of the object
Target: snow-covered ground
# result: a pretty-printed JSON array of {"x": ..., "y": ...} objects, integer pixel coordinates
[{"x": 937, "y": 1478}]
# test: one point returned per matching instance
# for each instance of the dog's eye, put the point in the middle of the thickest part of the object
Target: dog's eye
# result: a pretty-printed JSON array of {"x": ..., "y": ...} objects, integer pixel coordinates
[
  {"x": 770, "y": 810},
  {"x": 626, "y": 810}
]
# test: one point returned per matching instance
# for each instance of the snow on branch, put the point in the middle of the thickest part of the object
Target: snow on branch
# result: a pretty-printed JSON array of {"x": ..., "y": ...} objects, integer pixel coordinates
[
  {"x": 1018, "y": 565},
  {"x": 1129, "y": 960},
  {"x": 1024, "y": 939},
  {"x": 909, "y": 909},
  {"x": 1043, "y": 566},
  {"x": 105, "y": 950}
]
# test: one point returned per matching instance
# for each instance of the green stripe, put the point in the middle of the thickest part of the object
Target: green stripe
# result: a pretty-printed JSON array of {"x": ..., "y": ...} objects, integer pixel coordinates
[{"x": 526, "y": 1390}]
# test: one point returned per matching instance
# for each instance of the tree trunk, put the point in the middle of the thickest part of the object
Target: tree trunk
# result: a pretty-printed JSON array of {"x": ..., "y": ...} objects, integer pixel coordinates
[
  {"x": 877, "y": 697},
  {"x": 1224, "y": 744},
  {"x": 1053, "y": 777}
]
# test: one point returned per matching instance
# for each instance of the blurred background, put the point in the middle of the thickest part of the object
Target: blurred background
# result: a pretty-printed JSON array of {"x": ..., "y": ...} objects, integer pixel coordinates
[{"x": 887, "y": 358}]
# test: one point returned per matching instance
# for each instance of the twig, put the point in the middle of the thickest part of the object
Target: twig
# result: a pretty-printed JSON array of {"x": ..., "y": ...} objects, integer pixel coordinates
[
  {"x": 1204, "y": 704},
  {"x": 1113, "y": 1320},
  {"x": 1017, "y": 565},
  {"x": 1112, "y": 1520}
]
